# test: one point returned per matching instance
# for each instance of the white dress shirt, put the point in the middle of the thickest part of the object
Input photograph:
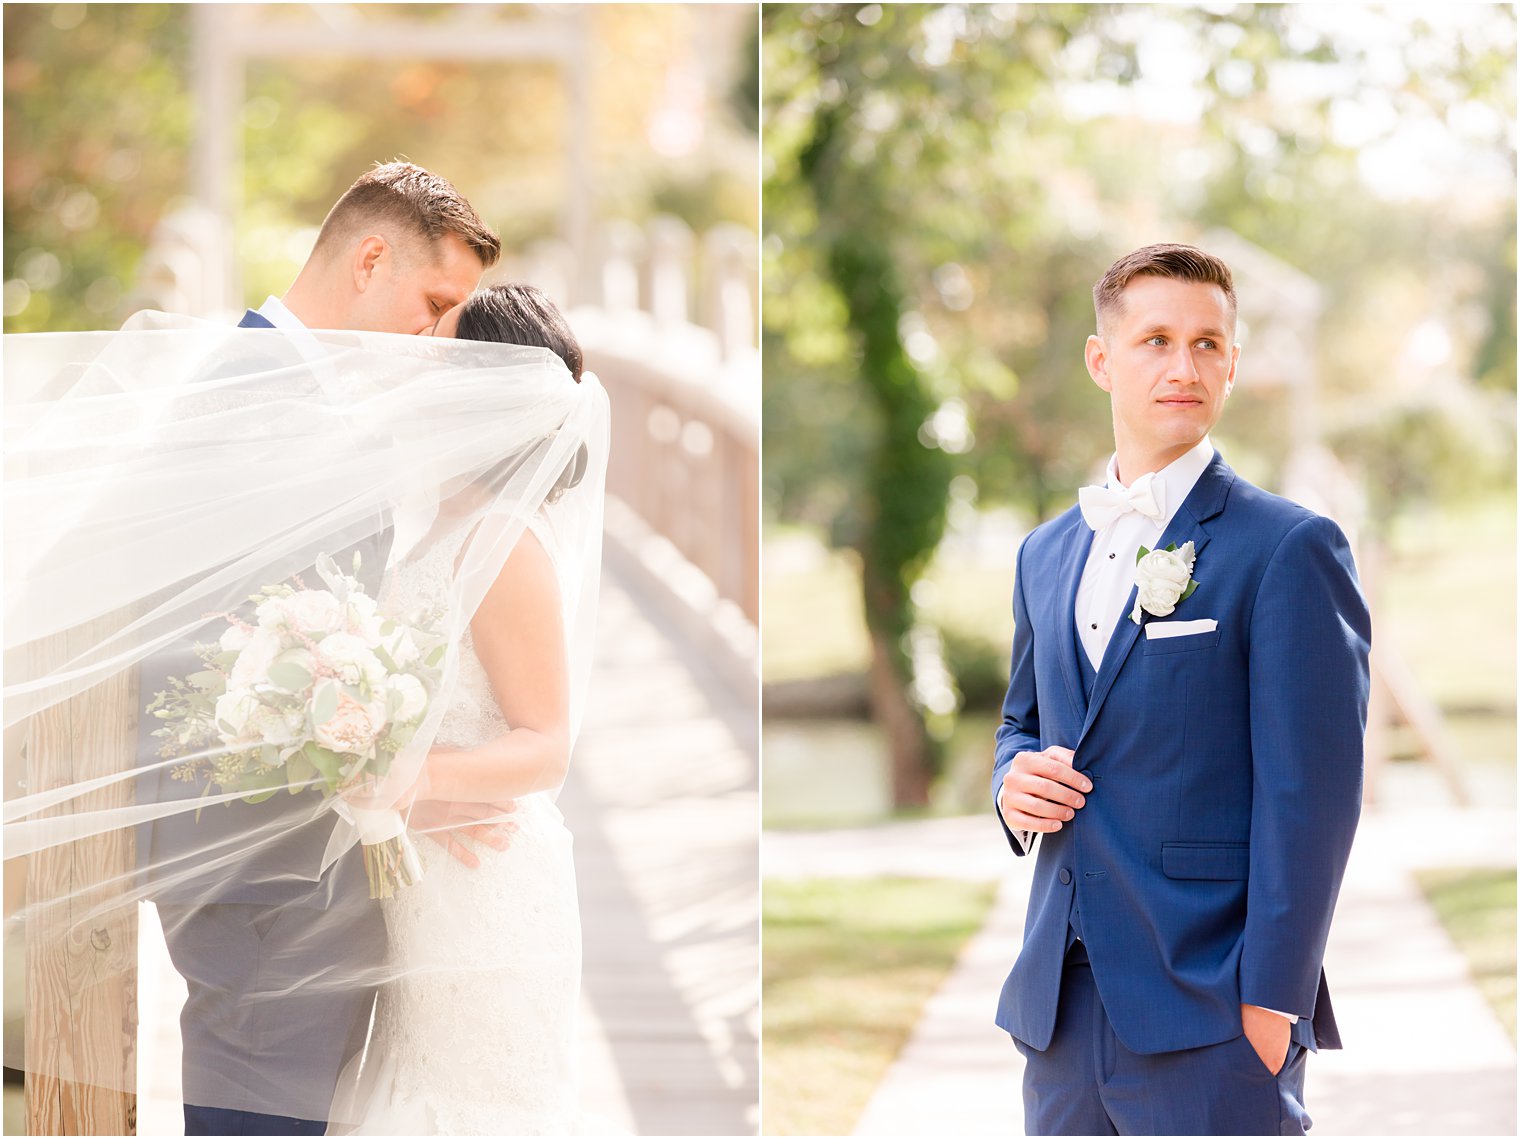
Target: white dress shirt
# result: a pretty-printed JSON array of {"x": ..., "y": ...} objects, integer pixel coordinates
[{"x": 1109, "y": 574}]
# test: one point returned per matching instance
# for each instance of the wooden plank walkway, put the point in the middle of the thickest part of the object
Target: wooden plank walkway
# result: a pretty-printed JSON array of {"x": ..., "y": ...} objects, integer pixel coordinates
[{"x": 663, "y": 800}]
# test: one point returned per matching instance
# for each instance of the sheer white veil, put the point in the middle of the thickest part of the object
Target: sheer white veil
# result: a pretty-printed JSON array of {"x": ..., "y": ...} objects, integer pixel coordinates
[{"x": 160, "y": 476}]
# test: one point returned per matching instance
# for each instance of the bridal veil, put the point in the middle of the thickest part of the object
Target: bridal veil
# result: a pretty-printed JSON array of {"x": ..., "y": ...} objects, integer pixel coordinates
[{"x": 192, "y": 510}]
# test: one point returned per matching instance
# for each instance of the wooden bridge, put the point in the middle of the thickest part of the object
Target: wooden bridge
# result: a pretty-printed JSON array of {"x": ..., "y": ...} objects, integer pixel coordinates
[{"x": 663, "y": 791}]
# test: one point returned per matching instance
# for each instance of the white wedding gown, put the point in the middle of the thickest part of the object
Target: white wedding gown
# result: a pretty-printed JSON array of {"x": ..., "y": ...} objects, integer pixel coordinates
[{"x": 477, "y": 1036}]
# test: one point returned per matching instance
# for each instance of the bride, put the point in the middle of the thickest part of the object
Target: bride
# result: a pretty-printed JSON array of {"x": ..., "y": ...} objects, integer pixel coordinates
[
  {"x": 486, "y": 1045},
  {"x": 159, "y": 477}
]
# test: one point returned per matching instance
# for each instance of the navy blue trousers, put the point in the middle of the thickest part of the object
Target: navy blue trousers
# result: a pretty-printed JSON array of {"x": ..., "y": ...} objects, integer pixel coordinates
[
  {"x": 260, "y": 1028},
  {"x": 220, "y": 1121},
  {"x": 1087, "y": 1083}
]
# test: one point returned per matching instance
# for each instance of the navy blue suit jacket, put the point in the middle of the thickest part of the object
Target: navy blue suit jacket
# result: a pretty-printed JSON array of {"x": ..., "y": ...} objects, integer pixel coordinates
[
  {"x": 196, "y": 858},
  {"x": 1226, "y": 770}
]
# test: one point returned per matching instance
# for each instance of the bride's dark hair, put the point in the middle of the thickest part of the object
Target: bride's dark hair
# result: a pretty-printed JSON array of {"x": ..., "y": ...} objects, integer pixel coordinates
[{"x": 522, "y": 314}]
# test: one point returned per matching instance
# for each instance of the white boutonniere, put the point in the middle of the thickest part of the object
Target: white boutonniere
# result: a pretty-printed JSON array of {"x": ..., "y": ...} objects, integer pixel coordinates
[{"x": 1164, "y": 579}]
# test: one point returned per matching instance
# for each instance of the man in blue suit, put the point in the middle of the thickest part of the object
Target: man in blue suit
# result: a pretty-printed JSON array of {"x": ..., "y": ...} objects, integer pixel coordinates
[
  {"x": 264, "y": 1034},
  {"x": 1184, "y": 726}
]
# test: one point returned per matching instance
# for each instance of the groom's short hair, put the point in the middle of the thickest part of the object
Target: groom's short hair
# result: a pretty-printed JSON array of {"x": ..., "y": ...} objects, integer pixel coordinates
[
  {"x": 1180, "y": 262},
  {"x": 415, "y": 202}
]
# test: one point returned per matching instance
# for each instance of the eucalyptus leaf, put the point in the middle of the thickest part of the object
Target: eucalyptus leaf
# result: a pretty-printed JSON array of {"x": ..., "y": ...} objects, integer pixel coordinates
[
  {"x": 289, "y": 676},
  {"x": 435, "y": 656},
  {"x": 299, "y": 770},
  {"x": 327, "y": 763},
  {"x": 325, "y": 703}
]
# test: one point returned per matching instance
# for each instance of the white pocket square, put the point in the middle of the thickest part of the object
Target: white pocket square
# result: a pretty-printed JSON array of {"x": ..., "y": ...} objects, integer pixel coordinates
[{"x": 1156, "y": 630}]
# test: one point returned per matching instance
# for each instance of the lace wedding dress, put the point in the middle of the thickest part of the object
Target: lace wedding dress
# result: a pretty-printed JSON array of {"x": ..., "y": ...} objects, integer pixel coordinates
[{"x": 477, "y": 1036}]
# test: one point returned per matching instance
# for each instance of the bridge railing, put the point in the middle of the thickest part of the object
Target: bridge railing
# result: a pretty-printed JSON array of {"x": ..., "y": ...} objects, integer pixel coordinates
[{"x": 668, "y": 322}]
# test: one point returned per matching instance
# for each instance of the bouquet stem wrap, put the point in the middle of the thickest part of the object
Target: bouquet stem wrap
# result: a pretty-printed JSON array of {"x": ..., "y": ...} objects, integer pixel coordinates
[{"x": 390, "y": 859}]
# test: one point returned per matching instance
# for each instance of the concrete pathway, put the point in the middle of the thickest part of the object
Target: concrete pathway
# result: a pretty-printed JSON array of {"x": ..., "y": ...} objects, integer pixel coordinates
[
  {"x": 663, "y": 801},
  {"x": 1424, "y": 1054}
]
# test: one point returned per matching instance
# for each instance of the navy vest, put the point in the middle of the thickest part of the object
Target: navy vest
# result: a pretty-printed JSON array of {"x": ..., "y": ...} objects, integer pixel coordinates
[{"x": 1089, "y": 678}]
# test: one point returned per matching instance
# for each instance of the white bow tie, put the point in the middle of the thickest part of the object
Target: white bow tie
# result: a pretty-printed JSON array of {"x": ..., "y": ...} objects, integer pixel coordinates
[{"x": 1101, "y": 506}]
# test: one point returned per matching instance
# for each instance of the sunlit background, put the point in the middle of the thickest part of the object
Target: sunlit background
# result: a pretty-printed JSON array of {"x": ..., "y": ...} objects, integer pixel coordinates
[
  {"x": 943, "y": 186},
  {"x": 132, "y": 131},
  {"x": 182, "y": 157}
]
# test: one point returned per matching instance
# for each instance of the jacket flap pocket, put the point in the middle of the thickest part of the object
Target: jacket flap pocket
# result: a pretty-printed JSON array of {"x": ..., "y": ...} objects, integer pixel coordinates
[{"x": 1224, "y": 861}]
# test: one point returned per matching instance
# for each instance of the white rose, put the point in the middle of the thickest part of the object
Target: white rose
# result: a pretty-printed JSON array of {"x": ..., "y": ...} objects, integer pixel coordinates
[
  {"x": 271, "y": 613},
  {"x": 313, "y": 611},
  {"x": 353, "y": 728},
  {"x": 413, "y": 698},
  {"x": 252, "y": 665},
  {"x": 399, "y": 644},
  {"x": 271, "y": 726},
  {"x": 359, "y": 617},
  {"x": 234, "y": 709},
  {"x": 1161, "y": 578},
  {"x": 234, "y": 639},
  {"x": 352, "y": 659}
]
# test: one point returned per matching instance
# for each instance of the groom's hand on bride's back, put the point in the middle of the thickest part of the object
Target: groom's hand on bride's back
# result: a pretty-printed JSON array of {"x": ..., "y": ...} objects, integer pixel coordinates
[
  {"x": 1041, "y": 790},
  {"x": 446, "y": 823}
]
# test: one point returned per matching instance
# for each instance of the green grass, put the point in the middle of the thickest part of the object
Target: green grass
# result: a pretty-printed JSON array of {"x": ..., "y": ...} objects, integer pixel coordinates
[
  {"x": 848, "y": 967},
  {"x": 1477, "y": 907},
  {"x": 813, "y": 624},
  {"x": 812, "y": 621}
]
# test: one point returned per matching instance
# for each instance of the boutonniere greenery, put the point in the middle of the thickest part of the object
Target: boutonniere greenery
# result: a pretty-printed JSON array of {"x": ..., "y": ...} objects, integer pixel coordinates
[{"x": 1164, "y": 579}]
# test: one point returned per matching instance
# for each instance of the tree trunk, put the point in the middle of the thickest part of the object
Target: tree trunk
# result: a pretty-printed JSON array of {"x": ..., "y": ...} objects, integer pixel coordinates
[{"x": 909, "y": 747}]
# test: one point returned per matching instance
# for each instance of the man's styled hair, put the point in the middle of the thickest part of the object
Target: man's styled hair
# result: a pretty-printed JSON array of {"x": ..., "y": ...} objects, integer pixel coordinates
[
  {"x": 414, "y": 202},
  {"x": 1180, "y": 262}
]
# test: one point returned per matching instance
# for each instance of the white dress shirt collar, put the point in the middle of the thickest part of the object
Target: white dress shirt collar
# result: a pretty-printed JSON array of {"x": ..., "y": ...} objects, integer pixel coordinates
[
  {"x": 1109, "y": 572},
  {"x": 1178, "y": 477},
  {"x": 311, "y": 349}
]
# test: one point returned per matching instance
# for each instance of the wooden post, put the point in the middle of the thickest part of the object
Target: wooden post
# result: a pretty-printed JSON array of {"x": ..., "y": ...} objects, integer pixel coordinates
[{"x": 81, "y": 953}]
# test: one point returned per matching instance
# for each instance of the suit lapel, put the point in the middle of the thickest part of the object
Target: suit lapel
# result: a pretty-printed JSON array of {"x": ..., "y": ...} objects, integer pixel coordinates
[
  {"x": 1074, "y": 552},
  {"x": 1205, "y": 501}
]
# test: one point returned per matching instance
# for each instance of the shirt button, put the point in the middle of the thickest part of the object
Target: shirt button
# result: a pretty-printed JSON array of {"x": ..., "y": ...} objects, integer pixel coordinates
[
  {"x": 1094, "y": 624},
  {"x": 1111, "y": 557},
  {"x": 1065, "y": 876}
]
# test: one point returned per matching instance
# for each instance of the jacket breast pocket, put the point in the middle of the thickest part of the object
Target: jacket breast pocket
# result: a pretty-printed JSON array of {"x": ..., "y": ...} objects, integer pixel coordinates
[
  {"x": 1220, "y": 861},
  {"x": 1157, "y": 646}
]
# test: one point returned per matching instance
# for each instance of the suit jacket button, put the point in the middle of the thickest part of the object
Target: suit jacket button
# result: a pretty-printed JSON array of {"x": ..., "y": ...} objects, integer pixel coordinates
[{"x": 1065, "y": 876}]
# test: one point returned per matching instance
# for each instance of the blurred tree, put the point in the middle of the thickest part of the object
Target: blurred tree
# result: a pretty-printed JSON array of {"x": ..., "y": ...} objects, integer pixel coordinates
[
  {"x": 98, "y": 117},
  {"x": 92, "y": 154},
  {"x": 984, "y": 165}
]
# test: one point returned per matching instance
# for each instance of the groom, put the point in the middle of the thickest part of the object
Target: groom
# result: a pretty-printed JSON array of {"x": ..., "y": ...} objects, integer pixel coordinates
[
  {"x": 1186, "y": 733},
  {"x": 266, "y": 1029}
]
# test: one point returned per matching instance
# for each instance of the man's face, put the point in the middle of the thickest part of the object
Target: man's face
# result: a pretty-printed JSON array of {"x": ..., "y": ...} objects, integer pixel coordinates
[
  {"x": 447, "y": 324},
  {"x": 406, "y": 288},
  {"x": 1167, "y": 359}
]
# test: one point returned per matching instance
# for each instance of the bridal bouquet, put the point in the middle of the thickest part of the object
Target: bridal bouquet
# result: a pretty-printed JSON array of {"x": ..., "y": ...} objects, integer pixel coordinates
[{"x": 321, "y": 692}]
